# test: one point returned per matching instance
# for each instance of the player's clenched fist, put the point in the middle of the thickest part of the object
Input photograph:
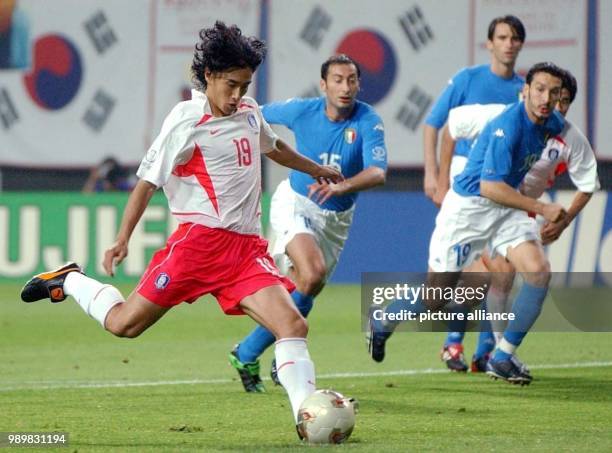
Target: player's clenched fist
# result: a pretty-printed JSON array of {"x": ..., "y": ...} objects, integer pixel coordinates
[
  {"x": 553, "y": 212},
  {"x": 114, "y": 256}
]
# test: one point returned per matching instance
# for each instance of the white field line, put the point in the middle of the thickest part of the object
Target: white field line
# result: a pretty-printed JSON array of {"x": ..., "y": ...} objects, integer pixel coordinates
[{"x": 67, "y": 384}]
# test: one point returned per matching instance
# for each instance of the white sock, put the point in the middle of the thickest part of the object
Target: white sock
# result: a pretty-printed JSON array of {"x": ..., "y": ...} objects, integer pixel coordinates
[
  {"x": 506, "y": 346},
  {"x": 295, "y": 370},
  {"x": 496, "y": 303},
  {"x": 498, "y": 336},
  {"x": 95, "y": 298}
]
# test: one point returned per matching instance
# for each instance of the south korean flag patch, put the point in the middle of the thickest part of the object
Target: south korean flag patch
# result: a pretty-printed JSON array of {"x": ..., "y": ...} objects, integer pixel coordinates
[{"x": 162, "y": 281}]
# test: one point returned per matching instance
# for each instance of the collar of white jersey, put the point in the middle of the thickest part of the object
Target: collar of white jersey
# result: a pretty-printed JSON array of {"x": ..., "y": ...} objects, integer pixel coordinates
[{"x": 200, "y": 97}]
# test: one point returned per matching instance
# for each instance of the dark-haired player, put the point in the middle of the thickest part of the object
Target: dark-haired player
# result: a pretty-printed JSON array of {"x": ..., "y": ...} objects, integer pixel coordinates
[
  {"x": 496, "y": 82},
  {"x": 569, "y": 151},
  {"x": 484, "y": 209},
  {"x": 311, "y": 220},
  {"x": 207, "y": 159}
]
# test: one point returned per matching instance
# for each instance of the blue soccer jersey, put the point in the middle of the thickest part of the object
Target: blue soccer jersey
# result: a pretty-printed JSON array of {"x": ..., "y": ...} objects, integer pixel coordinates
[
  {"x": 351, "y": 145},
  {"x": 473, "y": 85},
  {"x": 506, "y": 149}
]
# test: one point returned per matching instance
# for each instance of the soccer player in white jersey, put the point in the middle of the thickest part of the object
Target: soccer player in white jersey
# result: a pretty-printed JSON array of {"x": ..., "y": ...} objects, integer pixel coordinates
[
  {"x": 311, "y": 221},
  {"x": 570, "y": 150},
  {"x": 207, "y": 159}
]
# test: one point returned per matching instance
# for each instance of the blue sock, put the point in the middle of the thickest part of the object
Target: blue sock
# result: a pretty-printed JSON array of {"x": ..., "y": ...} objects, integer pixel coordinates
[
  {"x": 486, "y": 339},
  {"x": 526, "y": 308},
  {"x": 396, "y": 307},
  {"x": 261, "y": 338},
  {"x": 456, "y": 327}
]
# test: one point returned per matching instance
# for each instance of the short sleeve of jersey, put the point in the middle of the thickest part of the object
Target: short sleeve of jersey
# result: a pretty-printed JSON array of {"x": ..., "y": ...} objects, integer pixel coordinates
[
  {"x": 284, "y": 113},
  {"x": 374, "y": 149},
  {"x": 582, "y": 166},
  {"x": 451, "y": 97},
  {"x": 169, "y": 148},
  {"x": 267, "y": 137},
  {"x": 467, "y": 121},
  {"x": 497, "y": 163}
]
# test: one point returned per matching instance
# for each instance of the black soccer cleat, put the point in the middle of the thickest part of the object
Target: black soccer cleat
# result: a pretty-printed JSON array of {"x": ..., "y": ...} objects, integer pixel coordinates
[
  {"x": 376, "y": 344},
  {"x": 524, "y": 369},
  {"x": 48, "y": 284},
  {"x": 479, "y": 365},
  {"x": 274, "y": 373},
  {"x": 508, "y": 371},
  {"x": 376, "y": 337},
  {"x": 452, "y": 356},
  {"x": 248, "y": 372}
]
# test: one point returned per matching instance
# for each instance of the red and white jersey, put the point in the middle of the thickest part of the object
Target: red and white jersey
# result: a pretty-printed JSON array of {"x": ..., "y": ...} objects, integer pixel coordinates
[
  {"x": 210, "y": 167},
  {"x": 570, "y": 150}
]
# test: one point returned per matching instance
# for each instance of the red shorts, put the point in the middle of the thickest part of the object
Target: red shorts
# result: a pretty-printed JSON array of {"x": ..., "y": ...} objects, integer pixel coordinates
[{"x": 198, "y": 260}]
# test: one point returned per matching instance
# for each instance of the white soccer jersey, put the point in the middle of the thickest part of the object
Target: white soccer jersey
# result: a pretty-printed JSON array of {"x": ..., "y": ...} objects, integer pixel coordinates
[
  {"x": 210, "y": 167},
  {"x": 570, "y": 148}
]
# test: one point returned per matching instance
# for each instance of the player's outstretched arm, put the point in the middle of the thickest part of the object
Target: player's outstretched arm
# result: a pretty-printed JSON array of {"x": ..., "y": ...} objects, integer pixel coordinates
[
  {"x": 137, "y": 203},
  {"x": 430, "y": 143},
  {"x": 502, "y": 193},
  {"x": 286, "y": 156},
  {"x": 447, "y": 149}
]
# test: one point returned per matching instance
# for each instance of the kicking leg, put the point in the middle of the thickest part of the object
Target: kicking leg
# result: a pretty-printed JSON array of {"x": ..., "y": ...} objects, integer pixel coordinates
[{"x": 104, "y": 303}]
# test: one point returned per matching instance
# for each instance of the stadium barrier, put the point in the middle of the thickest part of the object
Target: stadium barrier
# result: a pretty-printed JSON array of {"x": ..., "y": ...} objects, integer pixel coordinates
[{"x": 390, "y": 233}]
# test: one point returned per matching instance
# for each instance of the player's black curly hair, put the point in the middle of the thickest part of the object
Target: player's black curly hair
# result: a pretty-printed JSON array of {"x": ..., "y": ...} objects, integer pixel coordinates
[
  {"x": 547, "y": 67},
  {"x": 570, "y": 84},
  {"x": 222, "y": 48}
]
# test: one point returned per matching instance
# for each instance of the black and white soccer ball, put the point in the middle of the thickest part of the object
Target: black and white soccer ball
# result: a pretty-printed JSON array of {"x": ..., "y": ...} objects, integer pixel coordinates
[{"x": 326, "y": 417}]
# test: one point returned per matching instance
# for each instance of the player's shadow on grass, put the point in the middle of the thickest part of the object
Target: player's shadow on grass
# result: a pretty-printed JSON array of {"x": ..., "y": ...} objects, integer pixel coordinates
[{"x": 566, "y": 388}]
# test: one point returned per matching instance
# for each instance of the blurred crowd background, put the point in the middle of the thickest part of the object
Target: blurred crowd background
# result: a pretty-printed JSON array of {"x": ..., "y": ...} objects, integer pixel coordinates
[{"x": 81, "y": 82}]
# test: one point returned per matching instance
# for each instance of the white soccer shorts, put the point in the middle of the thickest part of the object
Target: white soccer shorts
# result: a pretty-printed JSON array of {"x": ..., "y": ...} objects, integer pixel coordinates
[
  {"x": 465, "y": 226},
  {"x": 457, "y": 165},
  {"x": 292, "y": 213}
]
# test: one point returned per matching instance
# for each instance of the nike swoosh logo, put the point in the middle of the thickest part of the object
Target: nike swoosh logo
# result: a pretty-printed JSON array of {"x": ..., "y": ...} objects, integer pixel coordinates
[{"x": 214, "y": 131}]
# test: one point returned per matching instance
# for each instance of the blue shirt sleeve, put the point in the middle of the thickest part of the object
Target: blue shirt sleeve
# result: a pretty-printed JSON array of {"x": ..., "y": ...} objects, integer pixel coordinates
[
  {"x": 452, "y": 96},
  {"x": 285, "y": 112},
  {"x": 497, "y": 163},
  {"x": 374, "y": 150}
]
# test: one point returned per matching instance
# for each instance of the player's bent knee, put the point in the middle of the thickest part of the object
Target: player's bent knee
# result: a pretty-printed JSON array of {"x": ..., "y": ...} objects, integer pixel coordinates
[
  {"x": 312, "y": 280},
  {"x": 296, "y": 328},
  {"x": 537, "y": 274},
  {"x": 124, "y": 330}
]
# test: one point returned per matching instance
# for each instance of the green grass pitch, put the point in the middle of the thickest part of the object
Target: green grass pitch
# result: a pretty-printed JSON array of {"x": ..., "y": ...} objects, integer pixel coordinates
[{"x": 172, "y": 389}]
